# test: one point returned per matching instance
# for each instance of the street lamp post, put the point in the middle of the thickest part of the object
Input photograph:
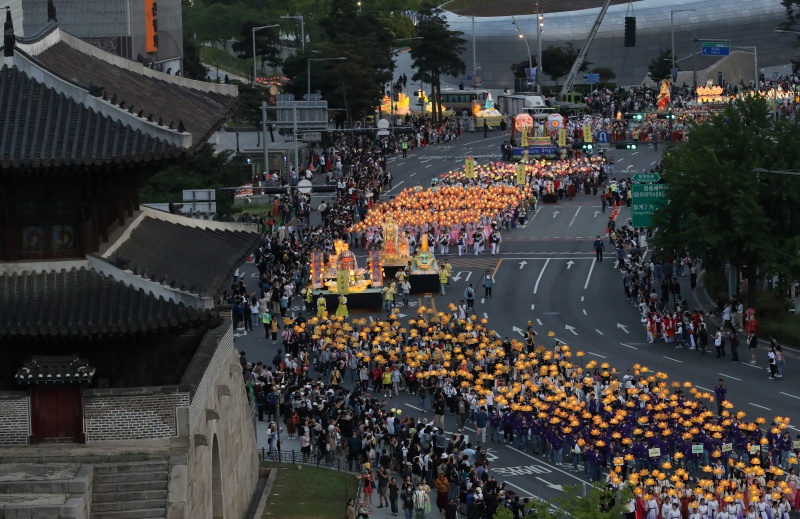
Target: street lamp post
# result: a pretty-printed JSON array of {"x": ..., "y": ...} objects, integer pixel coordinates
[
  {"x": 254, "y": 47},
  {"x": 672, "y": 30},
  {"x": 302, "y": 29},
  {"x": 539, "y": 31},
  {"x": 778, "y": 171},
  {"x": 522, "y": 36},
  {"x": 308, "y": 69}
]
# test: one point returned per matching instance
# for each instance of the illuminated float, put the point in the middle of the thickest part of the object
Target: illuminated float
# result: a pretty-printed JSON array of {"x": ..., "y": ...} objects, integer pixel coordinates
[
  {"x": 342, "y": 275},
  {"x": 488, "y": 113}
]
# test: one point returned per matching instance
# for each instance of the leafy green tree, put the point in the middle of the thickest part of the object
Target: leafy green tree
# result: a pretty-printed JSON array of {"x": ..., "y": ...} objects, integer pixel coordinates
[
  {"x": 598, "y": 503},
  {"x": 661, "y": 66},
  {"x": 357, "y": 83},
  {"x": 519, "y": 68},
  {"x": 268, "y": 48},
  {"x": 205, "y": 169},
  {"x": 438, "y": 53},
  {"x": 558, "y": 61},
  {"x": 606, "y": 74},
  {"x": 193, "y": 68},
  {"x": 720, "y": 210}
]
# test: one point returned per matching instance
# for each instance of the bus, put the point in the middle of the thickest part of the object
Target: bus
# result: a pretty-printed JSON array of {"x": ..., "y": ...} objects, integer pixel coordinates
[{"x": 461, "y": 100}]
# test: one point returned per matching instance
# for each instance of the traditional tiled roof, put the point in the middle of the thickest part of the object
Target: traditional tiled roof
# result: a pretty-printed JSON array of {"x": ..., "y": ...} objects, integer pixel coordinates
[
  {"x": 82, "y": 302},
  {"x": 194, "y": 258},
  {"x": 68, "y": 369},
  {"x": 201, "y": 112},
  {"x": 40, "y": 127}
]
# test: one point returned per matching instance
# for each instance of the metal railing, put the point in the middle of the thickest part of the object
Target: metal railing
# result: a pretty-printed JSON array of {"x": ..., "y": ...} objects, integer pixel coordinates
[{"x": 296, "y": 458}]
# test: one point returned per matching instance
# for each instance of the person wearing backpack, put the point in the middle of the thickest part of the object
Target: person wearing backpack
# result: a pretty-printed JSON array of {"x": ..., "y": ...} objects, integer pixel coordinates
[{"x": 469, "y": 295}]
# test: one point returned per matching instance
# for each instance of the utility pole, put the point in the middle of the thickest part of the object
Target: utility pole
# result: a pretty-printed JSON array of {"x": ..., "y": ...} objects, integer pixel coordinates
[{"x": 265, "y": 129}]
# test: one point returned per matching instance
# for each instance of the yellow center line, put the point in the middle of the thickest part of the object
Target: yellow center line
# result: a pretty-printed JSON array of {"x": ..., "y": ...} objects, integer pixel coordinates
[{"x": 497, "y": 267}]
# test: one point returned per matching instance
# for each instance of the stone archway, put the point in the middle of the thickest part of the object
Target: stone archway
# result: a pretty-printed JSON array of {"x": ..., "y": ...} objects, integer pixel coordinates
[{"x": 217, "y": 506}]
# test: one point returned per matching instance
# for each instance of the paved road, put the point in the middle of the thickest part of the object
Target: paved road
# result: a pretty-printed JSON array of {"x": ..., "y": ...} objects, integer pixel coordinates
[{"x": 546, "y": 273}]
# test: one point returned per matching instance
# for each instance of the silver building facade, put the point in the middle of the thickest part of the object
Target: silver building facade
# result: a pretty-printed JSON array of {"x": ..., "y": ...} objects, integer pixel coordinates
[{"x": 745, "y": 23}]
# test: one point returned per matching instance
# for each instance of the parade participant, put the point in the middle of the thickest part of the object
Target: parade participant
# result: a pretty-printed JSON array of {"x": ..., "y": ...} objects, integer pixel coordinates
[
  {"x": 322, "y": 305},
  {"x": 488, "y": 283},
  {"x": 341, "y": 310}
]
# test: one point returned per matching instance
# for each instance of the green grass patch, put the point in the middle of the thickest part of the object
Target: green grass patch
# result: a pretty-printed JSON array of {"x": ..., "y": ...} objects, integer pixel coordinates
[
  {"x": 258, "y": 209},
  {"x": 214, "y": 57},
  {"x": 309, "y": 493}
]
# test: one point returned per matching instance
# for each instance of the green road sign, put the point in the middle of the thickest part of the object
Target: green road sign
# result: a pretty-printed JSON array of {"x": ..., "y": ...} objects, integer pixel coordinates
[
  {"x": 645, "y": 199},
  {"x": 646, "y": 177}
]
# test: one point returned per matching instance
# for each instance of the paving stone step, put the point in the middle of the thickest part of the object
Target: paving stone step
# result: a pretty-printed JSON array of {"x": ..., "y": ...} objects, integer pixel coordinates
[
  {"x": 127, "y": 486},
  {"x": 151, "y": 513},
  {"x": 126, "y": 496},
  {"x": 131, "y": 477},
  {"x": 129, "y": 505},
  {"x": 140, "y": 466}
]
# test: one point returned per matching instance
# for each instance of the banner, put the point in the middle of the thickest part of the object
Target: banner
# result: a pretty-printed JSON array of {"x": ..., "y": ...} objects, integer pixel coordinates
[
  {"x": 654, "y": 453},
  {"x": 531, "y": 73},
  {"x": 727, "y": 447},
  {"x": 316, "y": 269},
  {"x": 587, "y": 133},
  {"x": 697, "y": 449},
  {"x": 521, "y": 174},
  {"x": 342, "y": 282},
  {"x": 535, "y": 150},
  {"x": 376, "y": 272},
  {"x": 562, "y": 137},
  {"x": 469, "y": 167}
]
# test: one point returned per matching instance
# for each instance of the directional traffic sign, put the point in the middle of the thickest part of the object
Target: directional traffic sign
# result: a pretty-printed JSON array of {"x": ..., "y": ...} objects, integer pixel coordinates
[
  {"x": 716, "y": 48},
  {"x": 602, "y": 136},
  {"x": 646, "y": 198},
  {"x": 646, "y": 177}
]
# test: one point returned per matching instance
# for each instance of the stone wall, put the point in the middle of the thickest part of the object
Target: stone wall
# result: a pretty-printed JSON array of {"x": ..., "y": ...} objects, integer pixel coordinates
[
  {"x": 221, "y": 432},
  {"x": 132, "y": 414},
  {"x": 14, "y": 417}
]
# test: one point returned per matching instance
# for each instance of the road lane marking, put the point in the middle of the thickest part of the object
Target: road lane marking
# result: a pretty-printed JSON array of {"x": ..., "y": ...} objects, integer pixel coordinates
[
  {"x": 793, "y": 396},
  {"x": 760, "y": 406},
  {"x": 520, "y": 453},
  {"x": 429, "y": 165},
  {"x": 673, "y": 360},
  {"x": 414, "y": 173},
  {"x": 539, "y": 322},
  {"x": 598, "y": 331},
  {"x": 629, "y": 346},
  {"x": 576, "y": 215},
  {"x": 586, "y": 285},
  {"x": 734, "y": 378},
  {"x": 751, "y": 365},
  {"x": 414, "y": 407},
  {"x": 703, "y": 388},
  {"x": 535, "y": 214},
  {"x": 582, "y": 298},
  {"x": 533, "y": 306},
  {"x": 485, "y": 315},
  {"x": 596, "y": 354},
  {"x": 584, "y": 312},
  {"x": 395, "y": 187},
  {"x": 536, "y": 286}
]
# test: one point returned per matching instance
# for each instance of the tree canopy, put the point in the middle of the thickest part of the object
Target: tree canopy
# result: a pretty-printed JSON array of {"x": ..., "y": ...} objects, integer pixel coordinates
[
  {"x": 558, "y": 61},
  {"x": 268, "y": 50},
  {"x": 661, "y": 66},
  {"x": 439, "y": 55},
  {"x": 719, "y": 209},
  {"x": 598, "y": 503}
]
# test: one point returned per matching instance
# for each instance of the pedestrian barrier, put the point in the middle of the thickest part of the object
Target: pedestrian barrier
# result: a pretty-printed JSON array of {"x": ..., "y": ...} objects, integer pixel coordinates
[{"x": 296, "y": 458}]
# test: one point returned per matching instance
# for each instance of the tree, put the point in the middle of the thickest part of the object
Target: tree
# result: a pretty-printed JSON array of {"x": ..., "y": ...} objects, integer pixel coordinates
[
  {"x": 193, "y": 68},
  {"x": 661, "y": 66},
  {"x": 438, "y": 54},
  {"x": 519, "y": 68},
  {"x": 558, "y": 61},
  {"x": 202, "y": 170},
  {"x": 357, "y": 83},
  {"x": 792, "y": 23},
  {"x": 606, "y": 74},
  {"x": 268, "y": 43},
  {"x": 719, "y": 210},
  {"x": 598, "y": 503}
]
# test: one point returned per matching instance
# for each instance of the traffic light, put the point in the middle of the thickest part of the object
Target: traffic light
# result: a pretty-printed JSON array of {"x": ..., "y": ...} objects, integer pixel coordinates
[
  {"x": 666, "y": 116},
  {"x": 587, "y": 146},
  {"x": 630, "y": 31},
  {"x": 635, "y": 117},
  {"x": 631, "y": 146}
]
